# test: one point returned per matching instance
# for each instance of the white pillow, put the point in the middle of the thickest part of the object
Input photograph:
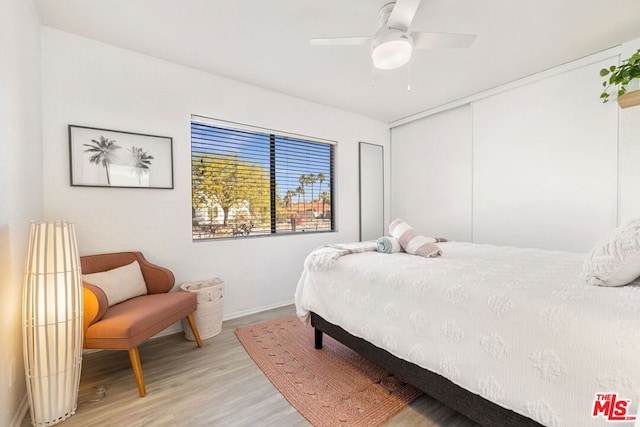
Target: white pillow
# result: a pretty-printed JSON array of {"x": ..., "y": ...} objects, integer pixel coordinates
[
  {"x": 119, "y": 284},
  {"x": 615, "y": 260}
]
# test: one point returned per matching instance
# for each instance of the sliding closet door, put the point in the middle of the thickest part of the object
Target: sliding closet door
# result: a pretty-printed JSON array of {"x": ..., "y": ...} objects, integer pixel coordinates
[
  {"x": 431, "y": 174},
  {"x": 371, "y": 191},
  {"x": 545, "y": 164}
]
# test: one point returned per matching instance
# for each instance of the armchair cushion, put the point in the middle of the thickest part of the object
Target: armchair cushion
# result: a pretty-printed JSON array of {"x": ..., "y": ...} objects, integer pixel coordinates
[
  {"x": 130, "y": 323},
  {"x": 119, "y": 284}
]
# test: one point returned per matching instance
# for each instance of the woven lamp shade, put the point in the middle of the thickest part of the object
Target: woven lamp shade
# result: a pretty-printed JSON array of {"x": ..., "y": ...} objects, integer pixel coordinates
[{"x": 52, "y": 322}]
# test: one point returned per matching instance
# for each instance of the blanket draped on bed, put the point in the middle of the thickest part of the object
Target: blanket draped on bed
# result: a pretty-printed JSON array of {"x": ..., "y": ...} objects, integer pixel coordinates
[{"x": 325, "y": 256}]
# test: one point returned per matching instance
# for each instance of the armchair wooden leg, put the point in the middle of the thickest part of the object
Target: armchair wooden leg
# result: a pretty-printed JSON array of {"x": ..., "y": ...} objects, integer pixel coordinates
[
  {"x": 194, "y": 329},
  {"x": 134, "y": 356}
]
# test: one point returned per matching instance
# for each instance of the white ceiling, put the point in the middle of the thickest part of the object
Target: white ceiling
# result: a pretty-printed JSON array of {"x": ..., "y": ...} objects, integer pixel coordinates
[{"x": 265, "y": 43}]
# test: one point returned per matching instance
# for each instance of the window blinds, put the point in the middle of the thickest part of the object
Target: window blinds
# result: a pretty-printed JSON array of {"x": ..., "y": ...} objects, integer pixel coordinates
[{"x": 252, "y": 183}]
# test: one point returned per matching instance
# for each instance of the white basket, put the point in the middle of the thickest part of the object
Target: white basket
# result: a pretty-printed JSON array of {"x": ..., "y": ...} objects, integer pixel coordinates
[{"x": 208, "y": 315}]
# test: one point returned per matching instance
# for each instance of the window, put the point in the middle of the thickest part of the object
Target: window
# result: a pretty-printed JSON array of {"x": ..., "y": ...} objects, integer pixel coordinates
[{"x": 248, "y": 182}]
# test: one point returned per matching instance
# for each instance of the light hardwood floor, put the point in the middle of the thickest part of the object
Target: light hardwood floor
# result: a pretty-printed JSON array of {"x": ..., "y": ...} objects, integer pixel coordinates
[{"x": 216, "y": 385}]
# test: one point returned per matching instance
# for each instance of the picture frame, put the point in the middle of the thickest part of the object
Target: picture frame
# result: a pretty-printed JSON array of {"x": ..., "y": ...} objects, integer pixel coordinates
[{"x": 112, "y": 158}]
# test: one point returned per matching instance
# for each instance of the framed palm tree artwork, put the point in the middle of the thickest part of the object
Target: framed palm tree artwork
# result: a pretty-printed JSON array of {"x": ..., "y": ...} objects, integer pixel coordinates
[{"x": 111, "y": 158}]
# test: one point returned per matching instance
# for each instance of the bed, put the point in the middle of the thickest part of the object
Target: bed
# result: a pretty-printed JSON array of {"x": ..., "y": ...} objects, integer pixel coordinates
[{"x": 506, "y": 336}]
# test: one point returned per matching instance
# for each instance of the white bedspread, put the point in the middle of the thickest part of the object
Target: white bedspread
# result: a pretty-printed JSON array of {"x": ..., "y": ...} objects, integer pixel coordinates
[{"x": 516, "y": 326}]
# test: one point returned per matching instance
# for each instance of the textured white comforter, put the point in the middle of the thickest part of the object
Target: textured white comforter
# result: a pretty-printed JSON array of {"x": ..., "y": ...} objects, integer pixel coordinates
[{"x": 516, "y": 326}]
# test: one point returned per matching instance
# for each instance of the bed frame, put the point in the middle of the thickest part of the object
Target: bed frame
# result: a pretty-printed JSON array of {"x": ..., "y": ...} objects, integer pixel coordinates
[{"x": 469, "y": 404}]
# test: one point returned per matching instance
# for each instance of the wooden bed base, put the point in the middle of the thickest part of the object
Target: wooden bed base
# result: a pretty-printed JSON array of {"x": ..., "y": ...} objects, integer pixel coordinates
[{"x": 463, "y": 401}]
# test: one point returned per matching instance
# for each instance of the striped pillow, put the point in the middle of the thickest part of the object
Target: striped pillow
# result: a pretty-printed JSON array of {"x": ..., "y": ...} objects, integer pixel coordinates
[{"x": 413, "y": 242}]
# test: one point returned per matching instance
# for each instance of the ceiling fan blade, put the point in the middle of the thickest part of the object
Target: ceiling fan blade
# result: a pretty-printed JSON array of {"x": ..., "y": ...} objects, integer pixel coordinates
[
  {"x": 402, "y": 14},
  {"x": 441, "y": 40},
  {"x": 340, "y": 41}
]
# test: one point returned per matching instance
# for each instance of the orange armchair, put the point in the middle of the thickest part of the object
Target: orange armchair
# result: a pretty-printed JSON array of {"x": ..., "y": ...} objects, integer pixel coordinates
[{"x": 126, "y": 325}]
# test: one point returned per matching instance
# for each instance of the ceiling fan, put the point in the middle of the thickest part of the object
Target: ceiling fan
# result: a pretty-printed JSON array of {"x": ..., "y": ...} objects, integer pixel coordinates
[{"x": 393, "y": 43}]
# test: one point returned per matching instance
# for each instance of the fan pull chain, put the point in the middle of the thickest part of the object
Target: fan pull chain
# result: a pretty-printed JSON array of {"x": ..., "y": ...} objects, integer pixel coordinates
[
  {"x": 409, "y": 76},
  {"x": 372, "y": 76}
]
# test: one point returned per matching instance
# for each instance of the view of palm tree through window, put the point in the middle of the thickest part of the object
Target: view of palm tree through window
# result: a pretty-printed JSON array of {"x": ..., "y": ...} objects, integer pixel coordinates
[{"x": 247, "y": 183}]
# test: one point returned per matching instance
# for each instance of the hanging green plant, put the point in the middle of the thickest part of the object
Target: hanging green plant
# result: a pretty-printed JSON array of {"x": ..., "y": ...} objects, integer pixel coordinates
[{"x": 620, "y": 76}]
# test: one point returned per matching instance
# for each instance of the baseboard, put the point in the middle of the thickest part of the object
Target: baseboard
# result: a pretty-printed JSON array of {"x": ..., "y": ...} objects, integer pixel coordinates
[
  {"x": 177, "y": 328},
  {"x": 21, "y": 412},
  {"x": 242, "y": 313},
  {"x": 173, "y": 329}
]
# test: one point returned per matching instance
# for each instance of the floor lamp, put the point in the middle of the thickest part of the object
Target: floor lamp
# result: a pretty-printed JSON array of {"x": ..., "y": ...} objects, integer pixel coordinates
[{"x": 52, "y": 322}]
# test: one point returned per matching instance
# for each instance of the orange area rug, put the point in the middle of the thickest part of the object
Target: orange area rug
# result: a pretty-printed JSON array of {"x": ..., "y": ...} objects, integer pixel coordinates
[{"x": 334, "y": 386}]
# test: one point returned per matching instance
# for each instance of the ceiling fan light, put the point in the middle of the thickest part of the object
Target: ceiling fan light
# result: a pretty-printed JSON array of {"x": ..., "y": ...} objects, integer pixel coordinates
[
  {"x": 391, "y": 48},
  {"x": 392, "y": 54}
]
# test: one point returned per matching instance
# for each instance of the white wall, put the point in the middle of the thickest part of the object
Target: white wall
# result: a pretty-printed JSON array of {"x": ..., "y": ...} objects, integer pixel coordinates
[
  {"x": 545, "y": 167},
  {"x": 20, "y": 186},
  {"x": 92, "y": 84}
]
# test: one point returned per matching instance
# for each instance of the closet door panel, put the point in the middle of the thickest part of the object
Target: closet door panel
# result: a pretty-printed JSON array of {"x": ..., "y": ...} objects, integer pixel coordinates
[
  {"x": 545, "y": 164},
  {"x": 431, "y": 174}
]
